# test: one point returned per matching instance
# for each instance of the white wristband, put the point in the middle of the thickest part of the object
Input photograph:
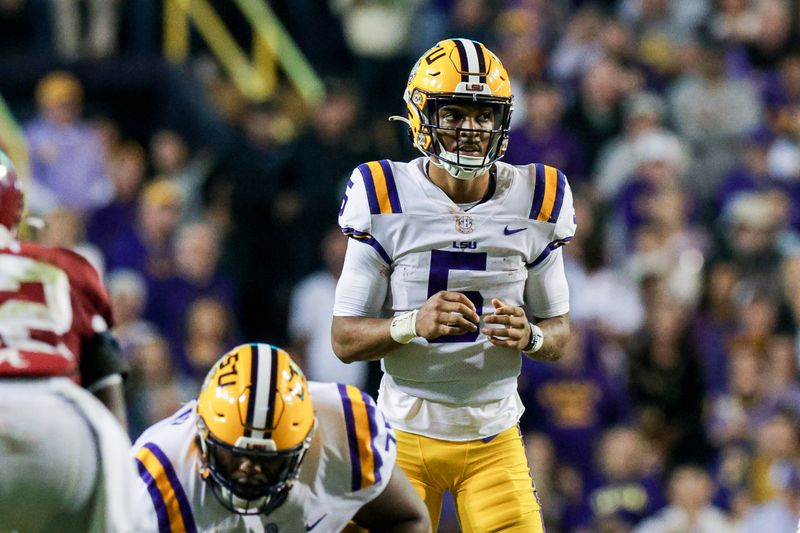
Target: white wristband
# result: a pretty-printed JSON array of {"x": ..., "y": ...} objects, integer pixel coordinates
[
  {"x": 537, "y": 340},
  {"x": 404, "y": 327}
]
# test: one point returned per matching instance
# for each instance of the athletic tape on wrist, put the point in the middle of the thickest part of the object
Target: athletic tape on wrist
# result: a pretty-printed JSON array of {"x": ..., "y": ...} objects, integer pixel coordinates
[{"x": 404, "y": 327}]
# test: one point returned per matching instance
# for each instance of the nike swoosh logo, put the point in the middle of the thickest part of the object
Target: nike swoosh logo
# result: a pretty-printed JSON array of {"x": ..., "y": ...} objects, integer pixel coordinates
[
  {"x": 507, "y": 231},
  {"x": 315, "y": 524}
]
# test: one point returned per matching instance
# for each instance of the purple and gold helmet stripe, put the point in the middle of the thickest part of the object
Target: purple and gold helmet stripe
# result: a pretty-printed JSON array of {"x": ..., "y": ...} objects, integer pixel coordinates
[
  {"x": 261, "y": 404},
  {"x": 360, "y": 424},
  {"x": 548, "y": 249},
  {"x": 472, "y": 59},
  {"x": 462, "y": 58},
  {"x": 381, "y": 188},
  {"x": 169, "y": 499},
  {"x": 548, "y": 193},
  {"x": 368, "y": 239},
  {"x": 481, "y": 53}
]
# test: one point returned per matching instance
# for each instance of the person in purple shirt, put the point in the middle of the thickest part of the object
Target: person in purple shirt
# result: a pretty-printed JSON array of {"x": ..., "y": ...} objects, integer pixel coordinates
[
  {"x": 624, "y": 490},
  {"x": 147, "y": 246},
  {"x": 572, "y": 400},
  {"x": 541, "y": 137},
  {"x": 127, "y": 169},
  {"x": 196, "y": 253},
  {"x": 68, "y": 163}
]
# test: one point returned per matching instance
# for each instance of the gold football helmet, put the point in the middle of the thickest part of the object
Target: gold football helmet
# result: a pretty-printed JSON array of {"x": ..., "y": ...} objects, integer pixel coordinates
[
  {"x": 458, "y": 71},
  {"x": 255, "y": 424}
]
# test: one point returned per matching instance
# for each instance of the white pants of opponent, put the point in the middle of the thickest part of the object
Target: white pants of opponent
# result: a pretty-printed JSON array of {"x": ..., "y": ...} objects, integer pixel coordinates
[{"x": 64, "y": 461}]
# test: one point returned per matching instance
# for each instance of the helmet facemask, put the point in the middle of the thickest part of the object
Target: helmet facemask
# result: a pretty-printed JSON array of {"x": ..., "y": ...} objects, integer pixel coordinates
[
  {"x": 432, "y": 133},
  {"x": 275, "y": 470}
]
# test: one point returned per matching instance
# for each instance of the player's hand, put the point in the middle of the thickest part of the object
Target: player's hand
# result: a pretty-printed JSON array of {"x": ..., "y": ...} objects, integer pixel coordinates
[
  {"x": 515, "y": 330},
  {"x": 446, "y": 313}
]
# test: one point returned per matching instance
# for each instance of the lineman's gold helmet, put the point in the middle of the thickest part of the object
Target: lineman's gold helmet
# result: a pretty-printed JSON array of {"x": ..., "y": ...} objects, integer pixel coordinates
[{"x": 254, "y": 406}]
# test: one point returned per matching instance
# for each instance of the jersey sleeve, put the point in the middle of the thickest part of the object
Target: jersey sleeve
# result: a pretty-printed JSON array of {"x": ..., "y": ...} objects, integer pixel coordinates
[
  {"x": 354, "y": 214},
  {"x": 566, "y": 223},
  {"x": 552, "y": 204},
  {"x": 371, "y": 190},
  {"x": 371, "y": 444},
  {"x": 363, "y": 283}
]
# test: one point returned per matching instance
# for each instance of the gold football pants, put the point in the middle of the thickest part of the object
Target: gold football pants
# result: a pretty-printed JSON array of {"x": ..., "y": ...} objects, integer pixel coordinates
[{"x": 489, "y": 480}]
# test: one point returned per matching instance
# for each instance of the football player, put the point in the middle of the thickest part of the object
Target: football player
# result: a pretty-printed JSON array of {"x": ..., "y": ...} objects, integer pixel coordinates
[
  {"x": 63, "y": 455},
  {"x": 454, "y": 268},
  {"x": 262, "y": 449}
]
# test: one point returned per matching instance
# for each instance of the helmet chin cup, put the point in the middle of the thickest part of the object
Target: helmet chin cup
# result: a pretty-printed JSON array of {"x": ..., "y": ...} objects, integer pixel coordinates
[{"x": 471, "y": 168}]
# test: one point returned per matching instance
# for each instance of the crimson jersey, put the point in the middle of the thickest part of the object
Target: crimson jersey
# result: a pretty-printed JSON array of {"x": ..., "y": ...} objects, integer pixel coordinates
[{"x": 51, "y": 300}]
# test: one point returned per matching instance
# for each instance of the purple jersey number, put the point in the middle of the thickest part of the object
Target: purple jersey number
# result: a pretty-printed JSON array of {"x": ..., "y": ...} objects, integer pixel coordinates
[{"x": 442, "y": 262}]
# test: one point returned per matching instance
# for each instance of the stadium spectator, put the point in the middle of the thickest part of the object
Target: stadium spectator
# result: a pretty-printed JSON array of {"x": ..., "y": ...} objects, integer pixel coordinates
[
  {"x": 542, "y": 137},
  {"x": 157, "y": 389},
  {"x": 197, "y": 275},
  {"x": 690, "y": 507},
  {"x": 780, "y": 512},
  {"x": 172, "y": 160},
  {"x": 323, "y": 157},
  {"x": 65, "y": 229},
  {"x": 127, "y": 170},
  {"x": 127, "y": 290},
  {"x": 327, "y": 459},
  {"x": 643, "y": 112},
  {"x": 310, "y": 319},
  {"x": 209, "y": 330},
  {"x": 572, "y": 401},
  {"x": 147, "y": 245},
  {"x": 67, "y": 158},
  {"x": 626, "y": 486},
  {"x": 712, "y": 112},
  {"x": 666, "y": 385},
  {"x": 715, "y": 323}
]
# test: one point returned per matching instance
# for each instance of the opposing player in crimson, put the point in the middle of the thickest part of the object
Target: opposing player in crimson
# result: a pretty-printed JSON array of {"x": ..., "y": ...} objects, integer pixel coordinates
[
  {"x": 63, "y": 463},
  {"x": 453, "y": 268}
]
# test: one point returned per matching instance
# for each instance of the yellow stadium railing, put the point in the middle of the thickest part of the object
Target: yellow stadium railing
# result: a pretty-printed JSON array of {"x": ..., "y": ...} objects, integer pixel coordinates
[{"x": 272, "y": 48}]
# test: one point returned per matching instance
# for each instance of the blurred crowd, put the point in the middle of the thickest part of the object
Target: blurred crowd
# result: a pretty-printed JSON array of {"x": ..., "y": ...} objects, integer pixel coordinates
[{"x": 677, "y": 124}]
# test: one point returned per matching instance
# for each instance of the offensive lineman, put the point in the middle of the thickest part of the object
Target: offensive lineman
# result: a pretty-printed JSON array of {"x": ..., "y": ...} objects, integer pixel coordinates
[
  {"x": 63, "y": 455},
  {"x": 263, "y": 450},
  {"x": 444, "y": 253}
]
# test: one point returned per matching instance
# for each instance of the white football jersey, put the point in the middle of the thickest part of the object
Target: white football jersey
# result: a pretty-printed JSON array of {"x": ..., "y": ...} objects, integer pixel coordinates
[
  {"x": 349, "y": 463},
  {"x": 429, "y": 243}
]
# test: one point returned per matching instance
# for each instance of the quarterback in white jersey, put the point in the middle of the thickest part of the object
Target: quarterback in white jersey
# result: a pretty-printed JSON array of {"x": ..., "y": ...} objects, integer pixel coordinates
[
  {"x": 454, "y": 267},
  {"x": 254, "y": 453}
]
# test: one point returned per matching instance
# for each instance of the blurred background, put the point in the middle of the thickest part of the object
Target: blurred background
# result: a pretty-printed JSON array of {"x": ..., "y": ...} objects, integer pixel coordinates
[{"x": 196, "y": 153}]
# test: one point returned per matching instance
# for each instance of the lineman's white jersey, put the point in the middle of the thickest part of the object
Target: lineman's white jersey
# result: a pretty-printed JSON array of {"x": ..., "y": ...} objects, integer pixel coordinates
[
  {"x": 505, "y": 247},
  {"x": 349, "y": 463}
]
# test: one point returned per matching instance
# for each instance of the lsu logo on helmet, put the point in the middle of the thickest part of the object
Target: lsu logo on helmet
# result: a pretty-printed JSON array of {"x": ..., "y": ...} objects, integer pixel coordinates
[
  {"x": 458, "y": 71},
  {"x": 254, "y": 406}
]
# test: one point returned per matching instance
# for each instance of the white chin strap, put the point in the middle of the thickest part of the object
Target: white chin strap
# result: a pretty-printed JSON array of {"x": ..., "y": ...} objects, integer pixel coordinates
[{"x": 449, "y": 162}]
